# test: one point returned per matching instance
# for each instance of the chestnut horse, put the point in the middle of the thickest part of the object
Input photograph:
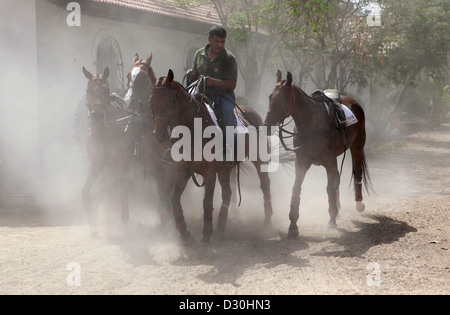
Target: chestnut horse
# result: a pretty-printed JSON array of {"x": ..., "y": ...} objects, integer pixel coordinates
[
  {"x": 112, "y": 140},
  {"x": 173, "y": 106},
  {"x": 141, "y": 78},
  {"x": 317, "y": 141}
]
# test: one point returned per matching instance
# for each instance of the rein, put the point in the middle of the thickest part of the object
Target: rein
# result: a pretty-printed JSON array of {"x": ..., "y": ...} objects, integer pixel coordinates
[
  {"x": 117, "y": 122},
  {"x": 291, "y": 133}
]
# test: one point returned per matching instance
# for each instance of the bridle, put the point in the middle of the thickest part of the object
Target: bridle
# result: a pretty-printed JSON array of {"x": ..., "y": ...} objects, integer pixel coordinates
[
  {"x": 287, "y": 107},
  {"x": 290, "y": 103},
  {"x": 131, "y": 83},
  {"x": 98, "y": 104},
  {"x": 172, "y": 103},
  {"x": 100, "y": 109}
]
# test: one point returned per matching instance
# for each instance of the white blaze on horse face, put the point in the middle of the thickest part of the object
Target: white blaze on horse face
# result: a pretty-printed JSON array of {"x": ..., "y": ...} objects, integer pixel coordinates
[
  {"x": 134, "y": 74},
  {"x": 129, "y": 93}
]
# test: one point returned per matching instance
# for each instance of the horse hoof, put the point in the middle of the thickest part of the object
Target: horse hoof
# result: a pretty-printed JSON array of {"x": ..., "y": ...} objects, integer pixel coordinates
[
  {"x": 332, "y": 224},
  {"x": 268, "y": 225},
  {"x": 269, "y": 231},
  {"x": 206, "y": 240},
  {"x": 360, "y": 206},
  {"x": 187, "y": 239},
  {"x": 293, "y": 233}
]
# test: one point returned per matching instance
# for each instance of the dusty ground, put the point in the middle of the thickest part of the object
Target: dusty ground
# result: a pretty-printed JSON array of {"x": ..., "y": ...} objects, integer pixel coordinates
[{"x": 399, "y": 245}]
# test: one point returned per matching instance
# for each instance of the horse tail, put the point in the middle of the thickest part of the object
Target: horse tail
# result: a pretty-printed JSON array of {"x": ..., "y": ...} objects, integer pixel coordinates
[{"x": 365, "y": 175}]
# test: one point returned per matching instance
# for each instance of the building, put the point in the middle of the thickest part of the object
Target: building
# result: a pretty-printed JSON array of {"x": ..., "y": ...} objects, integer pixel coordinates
[{"x": 45, "y": 44}]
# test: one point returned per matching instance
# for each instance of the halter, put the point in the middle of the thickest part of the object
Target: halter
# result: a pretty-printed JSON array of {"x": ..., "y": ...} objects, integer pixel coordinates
[
  {"x": 286, "y": 108},
  {"x": 103, "y": 109},
  {"x": 283, "y": 116},
  {"x": 172, "y": 102}
]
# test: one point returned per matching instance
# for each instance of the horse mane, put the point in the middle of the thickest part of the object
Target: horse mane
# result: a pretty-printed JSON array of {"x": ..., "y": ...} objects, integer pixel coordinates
[
  {"x": 311, "y": 100},
  {"x": 162, "y": 82}
]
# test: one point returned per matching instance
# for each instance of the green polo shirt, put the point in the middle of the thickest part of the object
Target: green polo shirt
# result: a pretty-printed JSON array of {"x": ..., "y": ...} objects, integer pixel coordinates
[{"x": 223, "y": 67}]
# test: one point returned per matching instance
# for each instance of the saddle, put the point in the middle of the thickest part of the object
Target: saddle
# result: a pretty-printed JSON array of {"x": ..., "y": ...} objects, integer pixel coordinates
[
  {"x": 194, "y": 91},
  {"x": 117, "y": 101},
  {"x": 331, "y": 100}
]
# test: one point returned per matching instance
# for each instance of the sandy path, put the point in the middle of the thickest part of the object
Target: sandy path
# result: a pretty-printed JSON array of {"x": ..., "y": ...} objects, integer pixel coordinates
[{"x": 399, "y": 245}]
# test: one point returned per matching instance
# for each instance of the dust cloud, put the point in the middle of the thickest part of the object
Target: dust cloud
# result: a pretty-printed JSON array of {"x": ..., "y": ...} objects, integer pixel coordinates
[{"x": 44, "y": 126}]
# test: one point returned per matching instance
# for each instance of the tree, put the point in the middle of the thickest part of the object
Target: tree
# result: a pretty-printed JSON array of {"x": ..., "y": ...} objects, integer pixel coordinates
[
  {"x": 332, "y": 44},
  {"x": 416, "y": 36}
]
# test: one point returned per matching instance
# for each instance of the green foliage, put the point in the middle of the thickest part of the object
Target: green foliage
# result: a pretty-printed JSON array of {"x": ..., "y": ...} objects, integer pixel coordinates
[
  {"x": 330, "y": 44},
  {"x": 416, "y": 37}
]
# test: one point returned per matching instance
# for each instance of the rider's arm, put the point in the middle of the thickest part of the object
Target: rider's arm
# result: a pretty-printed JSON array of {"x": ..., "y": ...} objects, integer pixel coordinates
[{"x": 192, "y": 75}]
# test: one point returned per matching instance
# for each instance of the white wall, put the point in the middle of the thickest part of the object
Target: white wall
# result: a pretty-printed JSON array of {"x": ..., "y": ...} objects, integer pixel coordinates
[
  {"x": 43, "y": 160},
  {"x": 19, "y": 127}
]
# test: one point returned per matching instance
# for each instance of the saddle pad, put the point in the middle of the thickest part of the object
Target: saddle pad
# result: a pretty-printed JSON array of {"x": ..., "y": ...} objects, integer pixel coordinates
[{"x": 350, "y": 118}]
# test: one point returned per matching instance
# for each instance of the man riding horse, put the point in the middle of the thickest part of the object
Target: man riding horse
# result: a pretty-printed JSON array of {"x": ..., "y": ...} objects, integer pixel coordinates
[{"x": 218, "y": 66}]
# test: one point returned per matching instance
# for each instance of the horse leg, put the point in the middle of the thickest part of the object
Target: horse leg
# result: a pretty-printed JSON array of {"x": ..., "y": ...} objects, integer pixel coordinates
[
  {"x": 181, "y": 178},
  {"x": 358, "y": 171},
  {"x": 163, "y": 176},
  {"x": 224, "y": 176},
  {"x": 301, "y": 167},
  {"x": 124, "y": 196},
  {"x": 264, "y": 181},
  {"x": 94, "y": 170},
  {"x": 164, "y": 189},
  {"x": 333, "y": 191},
  {"x": 208, "y": 206},
  {"x": 233, "y": 184}
]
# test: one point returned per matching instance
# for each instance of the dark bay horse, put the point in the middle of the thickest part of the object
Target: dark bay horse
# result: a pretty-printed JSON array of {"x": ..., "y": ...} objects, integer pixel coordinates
[
  {"x": 318, "y": 142},
  {"x": 111, "y": 142},
  {"x": 172, "y": 106},
  {"x": 141, "y": 78}
]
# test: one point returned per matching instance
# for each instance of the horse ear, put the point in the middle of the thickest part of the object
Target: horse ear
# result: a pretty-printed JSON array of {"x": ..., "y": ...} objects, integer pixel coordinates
[
  {"x": 105, "y": 73},
  {"x": 87, "y": 74},
  {"x": 149, "y": 59},
  {"x": 135, "y": 58},
  {"x": 170, "y": 76},
  {"x": 289, "y": 79},
  {"x": 278, "y": 76}
]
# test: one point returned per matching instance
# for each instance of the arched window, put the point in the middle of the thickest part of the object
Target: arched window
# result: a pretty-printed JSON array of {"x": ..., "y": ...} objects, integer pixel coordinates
[
  {"x": 190, "y": 58},
  {"x": 110, "y": 55}
]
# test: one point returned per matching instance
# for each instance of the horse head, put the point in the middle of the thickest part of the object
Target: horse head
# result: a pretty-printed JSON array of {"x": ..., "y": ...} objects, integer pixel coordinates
[
  {"x": 141, "y": 79},
  {"x": 163, "y": 102},
  {"x": 97, "y": 94},
  {"x": 280, "y": 101}
]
